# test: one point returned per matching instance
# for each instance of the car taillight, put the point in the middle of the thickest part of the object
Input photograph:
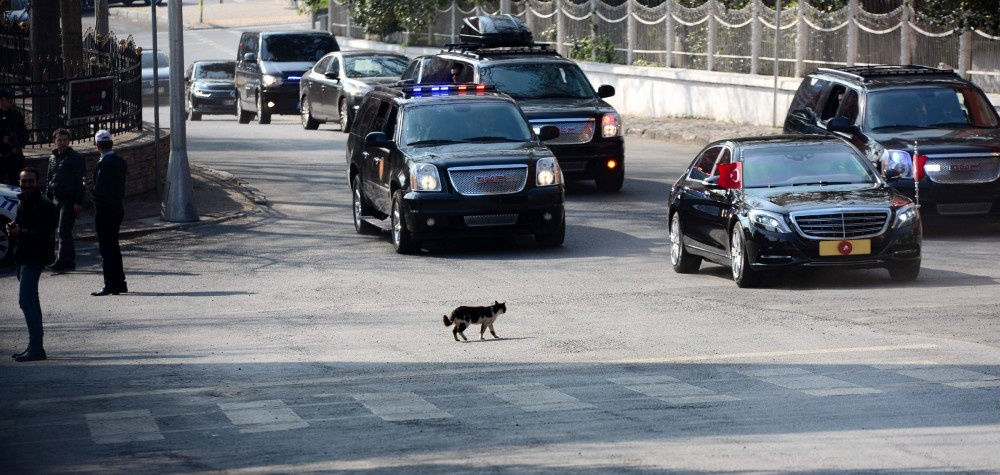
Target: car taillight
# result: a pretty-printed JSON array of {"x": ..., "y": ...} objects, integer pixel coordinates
[{"x": 918, "y": 167}]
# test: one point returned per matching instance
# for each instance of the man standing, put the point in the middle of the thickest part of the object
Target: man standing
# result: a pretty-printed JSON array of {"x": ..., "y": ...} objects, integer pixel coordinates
[
  {"x": 32, "y": 231},
  {"x": 108, "y": 192},
  {"x": 65, "y": 186},
  {"x": 13, "y": 135}
]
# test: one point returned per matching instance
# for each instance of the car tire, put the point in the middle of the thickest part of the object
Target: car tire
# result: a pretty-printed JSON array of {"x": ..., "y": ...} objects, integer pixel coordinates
[
  {"x": 345, "y": 117},
  {"x": 263, "y": 118},
  {"x": 6, "y": 246},
  {"x": 401, "y": 238},
  {"x": 196, "y": 116},
  {"x": 682, "y": 261},
  {"x": 361, "y": 209},
  {"x": 744, "y": 276},
  {"x": 611, "y": 182},
  {"x": 308, "y": 122},
  {"x": 242, "y": 116},
  {"x": 907, "y": 272},
  {"x": 553, "y": 239}
]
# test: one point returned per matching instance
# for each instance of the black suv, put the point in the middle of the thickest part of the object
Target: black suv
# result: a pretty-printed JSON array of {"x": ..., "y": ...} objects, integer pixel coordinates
[
  {"x": 269, "y": 66},
  {"x": 913, "y": 122},
  {"x": 550, "y": 89},
  {"x": 452, "y": 161}
]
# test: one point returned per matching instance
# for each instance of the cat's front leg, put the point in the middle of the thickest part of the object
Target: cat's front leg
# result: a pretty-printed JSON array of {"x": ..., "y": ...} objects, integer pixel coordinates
[{"x": 493, "y": 332}]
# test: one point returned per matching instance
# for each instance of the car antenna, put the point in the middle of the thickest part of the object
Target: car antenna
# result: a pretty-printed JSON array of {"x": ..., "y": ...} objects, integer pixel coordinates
[{"x": 916, "y": 180}]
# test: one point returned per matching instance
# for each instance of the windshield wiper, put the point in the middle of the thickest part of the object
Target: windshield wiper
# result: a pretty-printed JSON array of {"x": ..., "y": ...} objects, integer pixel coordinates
[
  {"x": 825, "y": 183},
  {"x": 897, "y": 126},
  {"x": 492, "y": 138},
  {"x": 434, "y": 142}
]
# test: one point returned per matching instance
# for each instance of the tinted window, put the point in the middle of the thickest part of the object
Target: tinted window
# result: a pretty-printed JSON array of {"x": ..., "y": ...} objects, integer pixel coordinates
[
  {"x": 704, "y": 164},
  {"x": 929, "y": 107},
  {"x": 374, "y": 66},
  {"x": 538, "y": 80},
  {"x": 215, "y": 70},
  {"x": 793, "y": 164},
  {"x": 481, "y": 121},
  {"x": 807, "y": 97},
  {"x": 297, "y": 47},
  {"x": 321, "y": 66}
]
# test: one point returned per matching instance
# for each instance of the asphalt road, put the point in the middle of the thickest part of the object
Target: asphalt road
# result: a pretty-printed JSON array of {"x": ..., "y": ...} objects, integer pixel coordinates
[{"x": 285, "y": 342}]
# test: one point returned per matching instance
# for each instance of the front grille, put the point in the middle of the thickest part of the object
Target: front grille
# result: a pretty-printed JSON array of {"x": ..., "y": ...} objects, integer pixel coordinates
[
  {"x": 571, "y": 131},
  {"x": 964, "y": 208},
  {"x": 488, "y": 180},
  {"x": 491, "y": 220},
  {"x": 963, "y": 169},
  {"x": 841, "y": 224}
]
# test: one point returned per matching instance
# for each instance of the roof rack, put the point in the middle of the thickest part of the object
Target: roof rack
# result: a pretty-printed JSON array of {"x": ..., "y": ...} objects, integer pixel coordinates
[
  {"x": 478, "y": 51},
  {"x": 867, "y": 73}
]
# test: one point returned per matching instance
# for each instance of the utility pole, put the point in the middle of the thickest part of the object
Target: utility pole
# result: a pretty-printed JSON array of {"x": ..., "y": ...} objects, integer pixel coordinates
[{"x": 177, "y": 205}]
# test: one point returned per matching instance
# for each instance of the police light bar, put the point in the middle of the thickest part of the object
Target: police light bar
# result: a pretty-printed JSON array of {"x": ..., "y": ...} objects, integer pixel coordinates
[{"x": 447, "y": 89}]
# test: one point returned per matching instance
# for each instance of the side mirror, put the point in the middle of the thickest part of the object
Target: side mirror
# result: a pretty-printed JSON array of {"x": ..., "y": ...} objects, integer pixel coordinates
[
  {"x": 377, "y": 139},
  {"x": 841, "y": 124},
  {"x": 332, "y": 74},
  {"x": 605, "y": 91},
  {"x": 187, "y": 78},
  {"x": 250, "y": 58},
  {"x": 892, "y": 175},
  {"x": 711, "y": 182},
  {"x": 548, "y": 132}
]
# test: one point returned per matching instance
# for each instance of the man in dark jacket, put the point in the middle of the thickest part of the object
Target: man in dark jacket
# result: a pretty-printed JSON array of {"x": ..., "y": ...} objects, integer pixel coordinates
[
  {"x": 108, "y": 192},
  {"x": 65, "y": 186},
  {"x": 32, "y": 232},
  {"x": 13, "y": 135}
]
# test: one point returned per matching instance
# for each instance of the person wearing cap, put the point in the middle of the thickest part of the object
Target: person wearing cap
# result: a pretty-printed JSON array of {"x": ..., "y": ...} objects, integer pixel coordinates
[
  {"x": 32, "y": 231},
  {"x": 107, "y": 189},
  {"x": 13, "y": 135},
  {"x": 65, "y": 187}
]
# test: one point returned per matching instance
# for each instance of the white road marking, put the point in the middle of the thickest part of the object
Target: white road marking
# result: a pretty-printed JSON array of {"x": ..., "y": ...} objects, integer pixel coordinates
[
  {"x": 262, "y": 416},
  {"x": 671, "y": 390},
  {"x": 123, "y": 426},
  {"x": 400, "y": 406},
  {"x": 955, "y": 377},
  {"x": 806, "y": 382},
  {"x": 459, "y": 371},
  {"x": 536, "y": 397}
]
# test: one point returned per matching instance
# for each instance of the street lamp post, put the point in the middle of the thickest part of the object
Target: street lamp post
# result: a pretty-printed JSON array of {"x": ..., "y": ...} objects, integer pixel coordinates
[{"x": 177, "y": 205}]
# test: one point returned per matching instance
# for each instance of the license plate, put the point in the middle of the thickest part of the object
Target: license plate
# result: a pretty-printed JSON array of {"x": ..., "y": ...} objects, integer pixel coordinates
[
  {"x": 228, "y": 102},
  {"x": 853, "y": 247}
]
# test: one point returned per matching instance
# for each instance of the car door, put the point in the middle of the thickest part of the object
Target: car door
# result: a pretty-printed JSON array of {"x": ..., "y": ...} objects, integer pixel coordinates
[
  {"x": 316, "y": 84},
  {"x": 248, "y": 70},
  {"x": 803, "y": 113},
  {"x": 334, "y": 88},
  {"x": 701, "y": 203},
  {"x": 375, "y": 163}
]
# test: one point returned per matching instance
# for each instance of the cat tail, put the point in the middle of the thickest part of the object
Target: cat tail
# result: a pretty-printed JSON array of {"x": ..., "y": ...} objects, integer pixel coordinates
[{"x": 446, "y": 321}]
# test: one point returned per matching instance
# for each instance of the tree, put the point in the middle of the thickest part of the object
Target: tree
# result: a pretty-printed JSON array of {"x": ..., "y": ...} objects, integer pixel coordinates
[
  {"x": 963, "y": 14},
  {"x": 385, "y": 17}
]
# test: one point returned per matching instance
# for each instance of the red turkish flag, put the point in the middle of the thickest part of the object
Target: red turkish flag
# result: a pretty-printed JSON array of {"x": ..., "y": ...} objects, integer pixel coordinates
[{"x": 731, "y": 175}]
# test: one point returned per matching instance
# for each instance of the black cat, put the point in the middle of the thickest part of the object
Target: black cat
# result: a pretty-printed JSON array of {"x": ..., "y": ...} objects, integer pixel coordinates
[{"x": 464, "y": 317}]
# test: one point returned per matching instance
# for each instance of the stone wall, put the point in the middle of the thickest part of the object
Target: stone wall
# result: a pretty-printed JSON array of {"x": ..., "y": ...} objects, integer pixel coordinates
[{"x": 136, "y": 148}]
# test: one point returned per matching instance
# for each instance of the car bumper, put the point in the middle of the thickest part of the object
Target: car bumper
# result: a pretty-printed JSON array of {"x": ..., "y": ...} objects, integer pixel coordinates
[
  {"x": 441, "y": 215},
  {"x": 213, "y": 105},
  {"x": 775, "y": 251},
  {"x": 954, "y": 199},
  {"x": 282, "y": 100},
  {"x": 590, "y": 160}
]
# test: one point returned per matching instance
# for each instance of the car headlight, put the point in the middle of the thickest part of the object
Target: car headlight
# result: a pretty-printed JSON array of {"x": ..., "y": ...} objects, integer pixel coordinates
[
  {"x": 898, "y": 161},
  {"x": 200, "y": 93},
  {"x": 272, "y": 80},
  {"x": 424, "y": 177},
  {"x": 769, "y": 221},
  {"x": 906, "y": 215},
  {"x": 547, "y": 172},
  {"x": 611, "y": 125}
]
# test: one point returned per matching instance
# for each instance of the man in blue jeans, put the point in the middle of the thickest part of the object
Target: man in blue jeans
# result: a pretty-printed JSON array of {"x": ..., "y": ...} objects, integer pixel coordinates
[{"x": 33, "y": 233}]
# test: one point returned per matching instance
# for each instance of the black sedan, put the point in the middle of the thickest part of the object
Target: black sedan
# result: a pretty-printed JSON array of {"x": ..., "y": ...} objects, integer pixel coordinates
[
  {"x": 772, "y": 203},
  {"x": 209, "y": 88},
  {"x": 331, "y": 89}
]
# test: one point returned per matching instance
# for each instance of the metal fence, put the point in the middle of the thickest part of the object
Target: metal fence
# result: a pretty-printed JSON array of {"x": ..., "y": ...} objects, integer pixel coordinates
[
  {"x": 710, "y": 37},
  {"x": 42, "y": 84}
]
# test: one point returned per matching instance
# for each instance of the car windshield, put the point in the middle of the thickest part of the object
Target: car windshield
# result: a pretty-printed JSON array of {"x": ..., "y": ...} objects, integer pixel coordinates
[
  {"x": 539, "y": 80},
  {"x": 215, "y": 70},
  {"x": 797, "y": 164},
  {"x": 161, "y": 59},
  {"x": 482, "y": 121},
  {"x": 297, "y": 47},
  {"x": 929, "y": 107},
  {"x": 16, "y": 5},
  {"x": 374, "y": 66}
]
